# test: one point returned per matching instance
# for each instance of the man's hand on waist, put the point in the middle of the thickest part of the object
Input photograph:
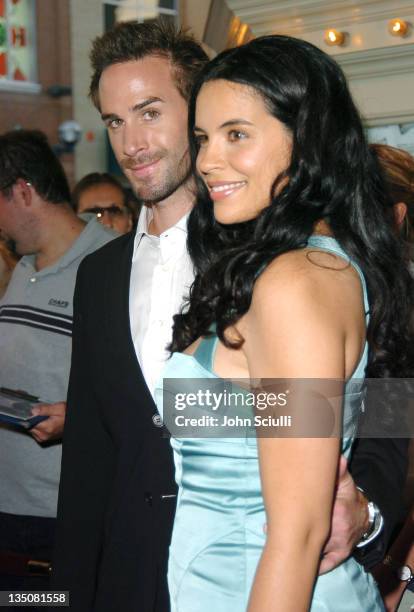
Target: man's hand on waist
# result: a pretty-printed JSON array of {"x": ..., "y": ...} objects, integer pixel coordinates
[{"x": 350, "y": 520}]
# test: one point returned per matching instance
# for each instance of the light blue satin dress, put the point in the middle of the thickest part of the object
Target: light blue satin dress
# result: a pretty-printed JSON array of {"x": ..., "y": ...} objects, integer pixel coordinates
[{"x": 219, "y": 531}]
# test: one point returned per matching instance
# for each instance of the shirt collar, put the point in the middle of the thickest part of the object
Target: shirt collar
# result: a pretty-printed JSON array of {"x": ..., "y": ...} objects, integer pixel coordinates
[
  {"x": 92, "y": 230},
  {"x": 145, "y": 218},
  {"x": 182, "y": 223}
]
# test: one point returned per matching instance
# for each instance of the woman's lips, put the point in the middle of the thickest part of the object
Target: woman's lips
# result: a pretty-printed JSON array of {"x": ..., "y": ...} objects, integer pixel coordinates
[{"x": 221, "y": 190}]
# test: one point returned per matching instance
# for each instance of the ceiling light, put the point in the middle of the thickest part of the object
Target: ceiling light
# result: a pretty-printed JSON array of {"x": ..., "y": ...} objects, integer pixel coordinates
[
  {"x": 334, "y": 37},
  {"x": 398, "y": 27}
]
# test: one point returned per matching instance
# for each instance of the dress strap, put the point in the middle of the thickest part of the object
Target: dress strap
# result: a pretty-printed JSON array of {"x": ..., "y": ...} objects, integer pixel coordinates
[
  {"x": 327, "y": 243},
  {"x": 205, "y": 351}
]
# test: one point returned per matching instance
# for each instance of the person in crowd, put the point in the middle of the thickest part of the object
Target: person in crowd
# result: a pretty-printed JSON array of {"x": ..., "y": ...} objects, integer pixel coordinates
[
  {"x": 103, "y": 195},
  {"x": 395, "y": 574},
  {"x": 117, "y": 491},
  {"x": 398, "y": 167},
  {"x": 8, "y": 260},
  {"x": 297, "y": 278},
  {"x": 35, "y": 338}
]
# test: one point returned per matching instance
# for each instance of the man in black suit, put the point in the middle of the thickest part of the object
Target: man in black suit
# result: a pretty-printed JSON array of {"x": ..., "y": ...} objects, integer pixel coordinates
[{"x": 117, "y": 494}]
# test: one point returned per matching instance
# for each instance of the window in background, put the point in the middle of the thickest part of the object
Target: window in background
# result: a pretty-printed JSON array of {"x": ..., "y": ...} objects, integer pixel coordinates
[
  {"x": 18, "y": 65},
  {"x": 141, "y": 10}
]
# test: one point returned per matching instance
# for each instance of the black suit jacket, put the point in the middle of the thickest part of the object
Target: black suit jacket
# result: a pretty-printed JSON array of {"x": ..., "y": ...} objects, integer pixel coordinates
[
  {"x": 114, "y": 514},
  {"x": 379, "y": 467},
  {"x": 117, "y": 491}
]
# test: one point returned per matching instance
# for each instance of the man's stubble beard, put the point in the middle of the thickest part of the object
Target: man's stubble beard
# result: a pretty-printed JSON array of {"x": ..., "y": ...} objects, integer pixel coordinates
[{"x": 170, "y": 183}]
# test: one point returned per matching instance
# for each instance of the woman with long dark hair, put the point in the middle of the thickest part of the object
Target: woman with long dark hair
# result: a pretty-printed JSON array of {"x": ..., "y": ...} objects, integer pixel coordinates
[{"x": 298, "y": 277}]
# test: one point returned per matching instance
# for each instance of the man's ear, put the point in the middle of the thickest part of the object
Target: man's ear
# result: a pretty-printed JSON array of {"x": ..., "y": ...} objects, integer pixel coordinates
[
  {"x": 400, "y": 210},
  {"x": 23, "y": 192}
]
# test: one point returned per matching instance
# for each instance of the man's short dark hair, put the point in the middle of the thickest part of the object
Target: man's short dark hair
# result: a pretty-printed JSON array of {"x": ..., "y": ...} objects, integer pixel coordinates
[
  {"x": 130, "y": 40},
  {"x": 91, "y": 180},
  {"x": 27, "y": 155}
]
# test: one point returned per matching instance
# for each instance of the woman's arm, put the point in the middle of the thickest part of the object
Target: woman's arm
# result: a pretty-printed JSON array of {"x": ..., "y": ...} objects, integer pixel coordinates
[{"x": 305, "y": 322}]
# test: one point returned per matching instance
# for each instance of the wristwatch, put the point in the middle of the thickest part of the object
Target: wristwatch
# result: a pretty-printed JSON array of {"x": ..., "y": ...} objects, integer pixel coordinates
[
  {"x": 403, "y": 572},
  {"x": 375, "y": 523}
]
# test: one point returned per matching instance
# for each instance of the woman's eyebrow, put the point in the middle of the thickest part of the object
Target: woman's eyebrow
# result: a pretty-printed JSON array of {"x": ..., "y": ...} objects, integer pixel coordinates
[
  {"x": 228, "y": 123},
  {"x": 236, "y": 122}
]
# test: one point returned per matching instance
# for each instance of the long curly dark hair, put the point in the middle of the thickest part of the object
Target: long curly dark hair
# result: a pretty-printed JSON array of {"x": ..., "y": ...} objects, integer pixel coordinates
[{"x": 332, "y": 176}]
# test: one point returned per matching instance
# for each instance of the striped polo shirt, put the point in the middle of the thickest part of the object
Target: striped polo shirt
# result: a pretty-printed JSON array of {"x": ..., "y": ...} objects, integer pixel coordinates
[{"x": 35, "y": 352}]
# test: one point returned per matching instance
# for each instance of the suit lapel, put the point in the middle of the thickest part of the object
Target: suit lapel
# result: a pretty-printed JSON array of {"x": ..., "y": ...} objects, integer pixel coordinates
[
  {"x": 117, "y": 324},
  {"x": 142, "y": 437}
]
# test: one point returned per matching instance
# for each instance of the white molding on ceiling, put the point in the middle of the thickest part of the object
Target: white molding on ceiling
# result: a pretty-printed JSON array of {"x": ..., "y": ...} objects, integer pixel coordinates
[
  {"x": 378, "y": 119},
  {"x": 385, "y": 61},
  {"x": 380, "y": 70},
  {"x": 283, "y": 16}
]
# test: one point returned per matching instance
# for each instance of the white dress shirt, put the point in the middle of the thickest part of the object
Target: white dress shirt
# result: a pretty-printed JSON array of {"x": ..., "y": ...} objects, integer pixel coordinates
[{"x": 161, "y": 276}]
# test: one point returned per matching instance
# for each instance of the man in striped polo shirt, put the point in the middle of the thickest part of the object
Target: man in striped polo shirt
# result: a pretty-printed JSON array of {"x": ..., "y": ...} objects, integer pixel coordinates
[{"x": 35, "y": 344}]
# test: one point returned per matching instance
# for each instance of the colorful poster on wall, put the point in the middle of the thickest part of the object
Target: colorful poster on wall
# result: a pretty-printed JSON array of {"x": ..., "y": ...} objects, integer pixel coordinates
[
  {"x": 17, "y": 40},
  {"x": 21, "y": 40},
  {"x": 3, "y": 65},
  {"x": 3, "y": 40}
]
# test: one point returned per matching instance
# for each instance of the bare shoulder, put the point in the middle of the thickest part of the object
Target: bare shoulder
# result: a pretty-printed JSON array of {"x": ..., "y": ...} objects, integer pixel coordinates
[
  {"x": 308, "y": 284},
  {"x": 310, "y": 275},
  {"x": 302, "y": 300}
]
